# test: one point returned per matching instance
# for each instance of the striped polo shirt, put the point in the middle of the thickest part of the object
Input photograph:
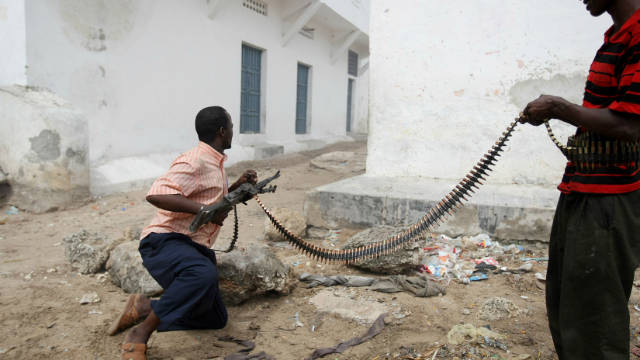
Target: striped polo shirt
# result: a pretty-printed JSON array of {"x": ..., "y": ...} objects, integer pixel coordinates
[
  {"x": 198, "y": 175},
  {"x": 614, "y": 83}
]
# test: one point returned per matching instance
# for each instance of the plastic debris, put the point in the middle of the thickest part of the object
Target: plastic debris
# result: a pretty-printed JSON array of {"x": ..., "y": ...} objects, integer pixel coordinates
[
  {"x": 13, "y": 210},
  {"x": 478, "y": 277},
  {"x": 296, "y": 318},
  {"x": 534, "y": 259},
  {"x": 541, "y": 277},
  {"x": 487, "y": 260}
]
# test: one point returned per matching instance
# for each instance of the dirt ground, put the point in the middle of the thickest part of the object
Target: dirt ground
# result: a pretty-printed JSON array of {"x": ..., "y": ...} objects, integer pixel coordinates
[{"x": 42, "y": 318}]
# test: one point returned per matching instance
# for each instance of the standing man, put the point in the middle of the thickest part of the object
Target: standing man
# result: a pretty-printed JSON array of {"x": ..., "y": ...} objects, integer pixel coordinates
[
  {"x": 180, "y": 261},
  {"x": 595, "y": 238}
]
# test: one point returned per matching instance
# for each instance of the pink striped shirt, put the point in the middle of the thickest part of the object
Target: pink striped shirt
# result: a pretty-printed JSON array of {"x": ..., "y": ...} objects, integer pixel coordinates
[{"x": 198, "y": 175}]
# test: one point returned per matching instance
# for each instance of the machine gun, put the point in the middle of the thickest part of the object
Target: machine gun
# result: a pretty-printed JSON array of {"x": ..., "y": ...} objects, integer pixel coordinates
[{"x": 243, "y": 193}]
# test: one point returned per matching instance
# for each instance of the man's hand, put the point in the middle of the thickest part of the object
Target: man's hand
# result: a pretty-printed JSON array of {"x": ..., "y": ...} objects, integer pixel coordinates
[
  {"x": 543, "y": 108},
  {"x": 219, "y": 219},
  {"x": 249, "y": 176}
]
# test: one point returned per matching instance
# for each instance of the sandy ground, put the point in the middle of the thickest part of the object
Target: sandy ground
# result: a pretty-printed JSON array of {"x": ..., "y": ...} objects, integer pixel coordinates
[{"x": 42, "y": 318}]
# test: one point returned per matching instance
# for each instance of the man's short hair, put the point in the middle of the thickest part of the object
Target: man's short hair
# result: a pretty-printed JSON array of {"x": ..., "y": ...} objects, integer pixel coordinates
[{"x": 209, "y": 120}]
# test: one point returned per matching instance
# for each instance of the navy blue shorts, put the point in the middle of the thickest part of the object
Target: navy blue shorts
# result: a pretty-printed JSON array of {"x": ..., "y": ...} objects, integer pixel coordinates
[{"x": 188, "y": 274}]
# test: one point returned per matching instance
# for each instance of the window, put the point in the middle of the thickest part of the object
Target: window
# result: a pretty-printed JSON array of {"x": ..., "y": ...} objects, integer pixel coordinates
[
  {"x": 353, "y": 63},
  {"x": 302, "y": 98},
  {"x": 250, "y": 90},
  {"x": 258, "y": 6}
]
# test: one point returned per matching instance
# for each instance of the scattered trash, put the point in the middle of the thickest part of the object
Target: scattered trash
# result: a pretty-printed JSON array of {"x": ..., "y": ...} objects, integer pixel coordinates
[
  {"x": 297, "y": 320},
  {"x": 487, "y": 260},
  {"x": 89, "y": 298},
  {"x": 495, "y": 343},
  {"x": 534, "y": 259},
  {"x": 51, "y": 270},
  {"x": 3, "y": 220},
  {"x": 13, "y": 210},
  {"x": 466, "y": 311},
  {"x": 95, "y": 312},
  {"x": 636, "y": 307},
  {"x": 28, "y": 276},
  {"x": 541, "y": 276},
  {"x": 479, "y": 277},
  {"x": 51, "y": 325}
]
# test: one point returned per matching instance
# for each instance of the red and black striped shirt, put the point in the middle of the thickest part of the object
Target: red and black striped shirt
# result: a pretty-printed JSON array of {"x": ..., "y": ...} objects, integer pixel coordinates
[{"x": 613, "y": 83}]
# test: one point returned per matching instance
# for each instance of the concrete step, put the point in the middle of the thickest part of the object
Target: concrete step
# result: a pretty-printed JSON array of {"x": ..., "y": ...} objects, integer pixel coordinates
[{"x": 503, "y": 211}]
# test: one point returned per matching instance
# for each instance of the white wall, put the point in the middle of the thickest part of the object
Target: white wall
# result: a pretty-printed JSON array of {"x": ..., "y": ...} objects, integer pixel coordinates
[
  {"x": 12, "y": 43},
  {"x": 43, "y": 147},
  {"x": 448, "y": 76},
  {"x": 142, "y": 69}
]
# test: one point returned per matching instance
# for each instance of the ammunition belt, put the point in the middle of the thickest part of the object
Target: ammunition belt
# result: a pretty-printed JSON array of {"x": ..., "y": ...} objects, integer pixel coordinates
[
  {"x": 590, "y": 151},
  {"x": 436, "y": 215}
]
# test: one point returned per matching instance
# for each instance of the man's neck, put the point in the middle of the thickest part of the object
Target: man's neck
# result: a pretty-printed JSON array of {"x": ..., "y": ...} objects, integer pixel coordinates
[
  {"x": 217, "y": 146},
  {"x": 621, "y": 11}
]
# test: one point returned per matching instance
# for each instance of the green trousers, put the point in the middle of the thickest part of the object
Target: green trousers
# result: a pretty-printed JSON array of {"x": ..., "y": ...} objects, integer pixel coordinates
[{"x": 593, "y": 254}]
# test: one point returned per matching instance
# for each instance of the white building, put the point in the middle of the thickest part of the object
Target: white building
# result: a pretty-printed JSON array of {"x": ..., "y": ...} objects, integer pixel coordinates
[
  {"x": 292, "y": 74},
  {"x": 447, "y": 77}
]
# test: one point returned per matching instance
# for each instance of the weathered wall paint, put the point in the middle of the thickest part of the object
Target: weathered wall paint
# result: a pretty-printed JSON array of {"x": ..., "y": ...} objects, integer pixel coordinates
[
  {"x": 13, "y": 60},
  {"x": 44, "y": 148},
  {"x": 448, "y": 76}
]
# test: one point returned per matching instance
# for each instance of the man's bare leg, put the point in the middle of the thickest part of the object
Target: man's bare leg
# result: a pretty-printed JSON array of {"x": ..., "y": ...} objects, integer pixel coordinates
[{"x": 140, "y": 334}]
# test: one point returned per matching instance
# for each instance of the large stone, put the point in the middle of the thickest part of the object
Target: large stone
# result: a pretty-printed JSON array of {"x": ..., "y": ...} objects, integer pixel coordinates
[
  {"x": 405, "y": 260},
  {"x": 88, "y": 252},
  {"x": 245, "y": 274},
  {"x": 340, "y": 162},
  {"x": 292, "y": 220},
  {"x": 345, "y": 304},
  {"x": 126, "y": 270}
]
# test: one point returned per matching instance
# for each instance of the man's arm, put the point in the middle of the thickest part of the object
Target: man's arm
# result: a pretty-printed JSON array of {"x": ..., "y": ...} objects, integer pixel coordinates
[
  {"x": 179, "y": 203},
  {"x": 602, "y": 121},
  {"x": 174, "y": 203}
]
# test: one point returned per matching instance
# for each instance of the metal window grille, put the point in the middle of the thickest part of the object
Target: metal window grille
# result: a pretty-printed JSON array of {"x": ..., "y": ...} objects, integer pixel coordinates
[
  {"x": 302, "y": 94},
  {"x": 353, "y": 63},
  {"x": 258, "y": 6},
  {"x": 250, "y": 90}
]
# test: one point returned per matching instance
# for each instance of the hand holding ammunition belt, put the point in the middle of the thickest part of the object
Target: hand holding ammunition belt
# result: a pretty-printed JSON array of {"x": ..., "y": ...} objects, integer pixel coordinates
[{"x": 589, "y": 151}]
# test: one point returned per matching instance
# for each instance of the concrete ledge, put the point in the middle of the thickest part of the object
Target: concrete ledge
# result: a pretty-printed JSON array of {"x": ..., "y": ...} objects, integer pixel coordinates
[{"x": 504, "y": 211}]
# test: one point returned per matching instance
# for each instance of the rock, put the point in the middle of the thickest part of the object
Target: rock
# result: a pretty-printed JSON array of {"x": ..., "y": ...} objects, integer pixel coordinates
[
  {"x": 635, "y": 296},
  {"x": 403, "y": 261},
  {"x": 245, "y": 274},
  {"x": 126, "y": 270},
  {"x": 339, "y": 161},
  {"x": 526, "y": 267},
  {"x": 343, "y": 303},
  {"x": 460, "y": 334},
  {"x": 498, "y": 308},
  {"x": 318, "y": 232},
  {"x": 90, "y": 298},
  {"x": 523, "y": 357},
  {"x": 88, "y": 252},
  {"x": 292, "y": 220}
]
